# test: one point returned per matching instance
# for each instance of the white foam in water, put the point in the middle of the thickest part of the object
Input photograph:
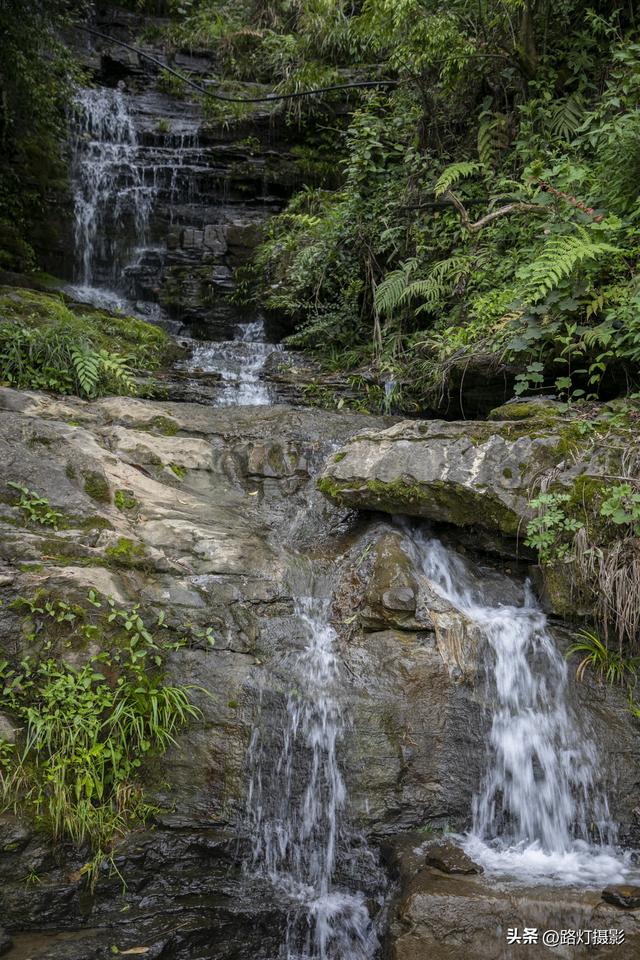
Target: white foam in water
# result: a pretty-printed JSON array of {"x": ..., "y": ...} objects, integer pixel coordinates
[
  {"x": 107, "y": 179},
  {"x": 297, "y": 800},
  {"x": 240, "y": 363},
  {"x": 540, "y": 794}
]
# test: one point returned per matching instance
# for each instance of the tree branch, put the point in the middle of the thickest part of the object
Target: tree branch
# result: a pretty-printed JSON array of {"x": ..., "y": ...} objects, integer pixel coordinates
[{"x": 516, "y": 207}]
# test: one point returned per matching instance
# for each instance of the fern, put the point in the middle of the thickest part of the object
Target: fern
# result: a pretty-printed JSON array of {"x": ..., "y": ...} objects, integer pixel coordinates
[
  {"x": 492, "y": 138},
  {"x": 86, "y": 364},
  {"x": 117, "y": 368},
  {"x": 390, "y": 291},
  {"x": 560, "y": 256},
  {"x": 396, "y": 290},
  {"x": 454, "y": 173},
  {"x": 566, "y": 116}
]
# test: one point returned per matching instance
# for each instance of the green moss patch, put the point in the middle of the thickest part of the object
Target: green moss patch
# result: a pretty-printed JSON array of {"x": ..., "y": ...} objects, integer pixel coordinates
[
  {"x": 126, "y": 553},
  {"x": 97, "y": 486}
]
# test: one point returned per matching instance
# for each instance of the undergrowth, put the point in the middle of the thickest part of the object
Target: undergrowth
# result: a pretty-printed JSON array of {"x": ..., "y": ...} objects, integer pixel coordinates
[{"x": 89, "y": 721}]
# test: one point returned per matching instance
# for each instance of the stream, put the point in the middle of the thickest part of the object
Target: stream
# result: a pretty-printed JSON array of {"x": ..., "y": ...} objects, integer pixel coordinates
[{"x": 539, "y": 814}]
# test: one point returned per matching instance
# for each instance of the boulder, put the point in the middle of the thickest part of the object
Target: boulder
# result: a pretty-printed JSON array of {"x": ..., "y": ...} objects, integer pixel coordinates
[
  {"x": 445, "y": 855},
  {"x": 456, "y": 917},
  {"x": 622, "y": 895},
  {"x": 468, "y": 474}
]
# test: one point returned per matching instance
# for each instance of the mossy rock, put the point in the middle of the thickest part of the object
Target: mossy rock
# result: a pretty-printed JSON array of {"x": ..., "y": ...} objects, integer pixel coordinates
[
  {"x": 126, "y": 553},
  {"x": 149, "y": 346},
  {"x": 96, "y": 486},
  {"x": 550, "y": 411}
]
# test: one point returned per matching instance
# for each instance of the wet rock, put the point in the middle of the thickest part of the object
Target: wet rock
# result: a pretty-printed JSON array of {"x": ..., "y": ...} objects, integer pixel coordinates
[
  {"x": 456, "y": 917},
  {"x": 5, "y": 941},
  {"x": 468, "y": 474},
  {"x": 448, "y": 857},
  {"x": 622, "y": 895}
]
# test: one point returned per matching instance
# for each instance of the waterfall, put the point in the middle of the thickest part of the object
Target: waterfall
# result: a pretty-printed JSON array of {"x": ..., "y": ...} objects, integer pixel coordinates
[
  {"x": 297, "y": 804},
  {"x": 112, "y": 200},
  {"x": 240, "y": 364},
  {"x": 540, "y": 812}
]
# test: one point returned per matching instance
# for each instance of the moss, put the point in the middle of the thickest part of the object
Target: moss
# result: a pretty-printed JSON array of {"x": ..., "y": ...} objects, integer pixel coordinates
[
  {"x": 164, "y": 425},
  {"x": 178, "y": 470},
  {"x": 558, "y": 580},
  {"x": 32, "y": 567},
  {"x": 439, "y": 500},
  {"x": 507, "y": 473},
  {"x": 149, "y": 345},
  {"x": 585, "y": 497},
  {"x": 70, "y": 471},
  {"x": 339, "y": 456},
  {"x": 124, "y": 500},
  {"x": 96, "y": 486},
  {"x": 126, "y": 553},
  {"x": 527, "y": 410},
  {"x": 95, "y": 522}
]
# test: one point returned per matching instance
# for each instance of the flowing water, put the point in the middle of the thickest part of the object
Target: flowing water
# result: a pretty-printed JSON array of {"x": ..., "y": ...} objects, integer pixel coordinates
[
  {"x": 540, "y": 812},
  {"x": 116, "y": 181},
  {"x": 112, "y": 197},
  {"x": 240, "y": 364},
  {"x": 298, "y": 804}
]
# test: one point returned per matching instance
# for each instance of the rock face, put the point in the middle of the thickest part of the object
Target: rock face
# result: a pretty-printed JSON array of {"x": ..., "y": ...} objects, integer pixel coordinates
[
  {"x": 455, "y": 917},
  {"x": 205, "y": 514},
  {"x": 622, "y": 895},
  {"x": 468, "y": 474},
  {"x": 209, "y": 188}
]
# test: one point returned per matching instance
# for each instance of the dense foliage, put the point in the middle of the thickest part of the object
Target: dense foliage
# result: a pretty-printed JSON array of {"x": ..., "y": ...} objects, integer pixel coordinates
[
  {"x": 488, "y": 209},
  {"x": 37, "y": 73},
  {"x": 87, "y": 727},
  {"x": 45, "y": 345}
]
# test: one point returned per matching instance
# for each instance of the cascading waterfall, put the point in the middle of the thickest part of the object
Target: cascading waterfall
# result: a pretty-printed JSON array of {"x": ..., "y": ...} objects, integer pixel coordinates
[
  {"x": 116, "y": 182},
  {"x": 540, "y": 813},
  {"x": 297, "y": 803},
  {"x": 239, "y": 362},
  {"x": 110, "y": 194}
]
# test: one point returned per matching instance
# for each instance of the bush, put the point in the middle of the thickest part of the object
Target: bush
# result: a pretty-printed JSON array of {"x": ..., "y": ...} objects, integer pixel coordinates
[
  {"x": 87, "y": 730},
  {"x": 44, "y": 345}
]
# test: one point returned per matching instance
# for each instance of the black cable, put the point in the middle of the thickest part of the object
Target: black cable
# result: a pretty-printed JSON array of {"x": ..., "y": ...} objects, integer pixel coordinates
[{"x": 217, "y": 96}]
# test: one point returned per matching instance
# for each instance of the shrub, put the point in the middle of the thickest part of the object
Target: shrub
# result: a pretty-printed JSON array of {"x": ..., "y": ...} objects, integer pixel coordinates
[{"x": 87, "y": 730}]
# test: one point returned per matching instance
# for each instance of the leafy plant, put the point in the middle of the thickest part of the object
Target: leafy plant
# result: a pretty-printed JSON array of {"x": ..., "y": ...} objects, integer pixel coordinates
[
  {"x": 549, "y": 533},
  {"x": 88, "y": 729},
  {"x": 611, "y": 666},
  {"x": 37, "y": 508},
  {"x": 622, "y": 506}
]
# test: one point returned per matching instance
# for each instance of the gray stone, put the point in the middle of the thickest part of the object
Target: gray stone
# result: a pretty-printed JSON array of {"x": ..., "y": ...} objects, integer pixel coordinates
[
  {"x": 464, "y": 473},
  {"x": 622, "y": 895},
  {"x": 457, "y": 917},
  {"x": 448, "y": 857}
]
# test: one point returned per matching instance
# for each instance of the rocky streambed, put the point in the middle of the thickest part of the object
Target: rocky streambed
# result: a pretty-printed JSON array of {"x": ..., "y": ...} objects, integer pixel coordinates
[
  {"x": 351, "y": 598},
  {"x": 213, "y": 515}
]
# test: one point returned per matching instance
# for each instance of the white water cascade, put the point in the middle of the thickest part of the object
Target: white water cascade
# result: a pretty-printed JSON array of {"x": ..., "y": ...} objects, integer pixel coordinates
[
  {"x": 118, "y": 179},
  {"x": 540, "y": 814},
  {"x": 239, "y": 362},
  {"x": 111, "y": 195},
  {"x": 297, "y": 803}
]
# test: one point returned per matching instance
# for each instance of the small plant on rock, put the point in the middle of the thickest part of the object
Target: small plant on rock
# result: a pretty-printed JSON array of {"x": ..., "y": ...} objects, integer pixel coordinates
[{"x": 37, "y": 508}]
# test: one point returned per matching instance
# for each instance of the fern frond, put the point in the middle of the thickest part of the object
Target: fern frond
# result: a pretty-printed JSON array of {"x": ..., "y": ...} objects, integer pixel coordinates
[
  {"x": 117, "y": 368},
  {"x": 492, "y": 138},
  {"x": 440, "y": 283},
  {"x": 390, "y": 290},
  {"x": 560, "y": 256},
  {"x": 396, "y": 290},
  {"x": 86, "y": 365},
  {"x": 566, "y": 116},
  {"x": 454, "y": 173}
]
